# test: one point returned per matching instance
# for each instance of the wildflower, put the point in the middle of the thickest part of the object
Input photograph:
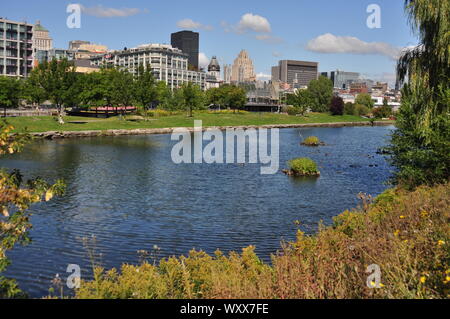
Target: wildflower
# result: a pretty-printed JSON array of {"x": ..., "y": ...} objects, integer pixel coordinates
[
  {"x": 402, "y": 217},
  {"x": 441, "y": 243},
  {"x": 48, "y": 195},
  {"x": 424, "y": 214},
  {"x": 396, "y": 233},
  {"x": 423, "y": 279}
]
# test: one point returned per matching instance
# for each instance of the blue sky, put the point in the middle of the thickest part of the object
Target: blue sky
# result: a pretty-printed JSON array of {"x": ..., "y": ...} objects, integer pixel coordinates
[{"x": 333, "y": 33}]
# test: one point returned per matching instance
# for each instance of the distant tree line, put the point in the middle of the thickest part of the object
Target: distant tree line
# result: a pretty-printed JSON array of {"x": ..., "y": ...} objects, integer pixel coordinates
[{"x": 58, "y": 82}]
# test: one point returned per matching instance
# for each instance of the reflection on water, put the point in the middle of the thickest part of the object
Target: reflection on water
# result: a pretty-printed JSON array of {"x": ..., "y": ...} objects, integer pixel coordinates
[{"x": 127, "y": 192}]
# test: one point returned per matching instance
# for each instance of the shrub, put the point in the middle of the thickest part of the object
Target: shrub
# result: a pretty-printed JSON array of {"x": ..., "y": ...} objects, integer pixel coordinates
[
  {"x": 291, "y": 110},
  {"x": 337, "y": 106},
  {"x": 382, "y": 112},
  {"x": 303, "y": 167},
  {"x": 311, "y": 141},
  {"x": 361, "y": 110},
  {"x": 365, "y": 99},
  {"x": 349, "y": 108}
]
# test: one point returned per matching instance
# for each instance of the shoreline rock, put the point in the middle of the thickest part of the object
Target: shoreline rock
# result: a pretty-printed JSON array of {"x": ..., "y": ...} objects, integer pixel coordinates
[{"x": 159, "y": 131}]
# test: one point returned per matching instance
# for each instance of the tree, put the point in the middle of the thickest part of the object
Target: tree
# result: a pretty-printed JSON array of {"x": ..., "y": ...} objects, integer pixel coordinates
[
  {"x": 321, "y": 92},
  {"x": 145, "y": 90},
  {"x": 337, "y": 105},
  {"x": 420, "y": 146},
  {"x": 33, "y": 92},
  {"x": 56, "y": 78},
  {"x": 122, "y": 87},
  {"x": 233, "y": 97},
  {"x": 214, "y": 97},
  {"x": 365, "y": 99},
  {"x": 302, "y": 100},
  {"x": 15, "y": 198},
  {"x": 10, "y": 91},
  {"x": 193, "y": 97},
  {"x": 93, "y": 89},
  {"x": 163, "y": 93}
]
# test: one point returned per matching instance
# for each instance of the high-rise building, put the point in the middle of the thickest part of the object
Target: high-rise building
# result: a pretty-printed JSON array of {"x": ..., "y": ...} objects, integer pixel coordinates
[
  {"x": 275, "y": 74},
  {"x": 243, "y": 70},
  {"x": 41, "y": 38},
  {"x": 188, "y": 42},
  {"x": 227, "y": 73},
  {"x": 16, "y": 48},
  {"x": 167, "y": 64},
  {"x": 295, "y": 73},
  {"x": 342, "y": 79}
]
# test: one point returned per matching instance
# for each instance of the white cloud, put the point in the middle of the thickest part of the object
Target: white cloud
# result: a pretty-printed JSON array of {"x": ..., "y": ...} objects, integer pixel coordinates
[
  {"x": 329, "y": 43},
  {"x": 253, "y": 22},
  {"x": 190, "y": 24},
  {"x": 268, "y": 38},
  {"x": 104, "y": 12},
  {"x": 203, "y": 60},
  {"x": 277, "y": 54},
  {"x": 263, "y": 77}
]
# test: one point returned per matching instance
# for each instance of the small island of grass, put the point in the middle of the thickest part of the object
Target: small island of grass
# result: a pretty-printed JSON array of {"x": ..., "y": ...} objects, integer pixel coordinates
[
  {"x": 312, "y": 141},
  {"x": 302, "y": 167}
]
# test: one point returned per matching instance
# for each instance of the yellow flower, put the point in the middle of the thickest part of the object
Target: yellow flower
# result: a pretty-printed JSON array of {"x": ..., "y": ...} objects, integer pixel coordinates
[
  {"x": 10, "y": 150},
  {"x": 402, "y": 217},
  {"x": 423, "y": 279},
  {"x": 5, "y": 212},
  {"x": 396, "y": 233},
  {"x": 441, "y": 243},
  {"x": 48, "y": 195},
  {"x": 424, "y": 214}
]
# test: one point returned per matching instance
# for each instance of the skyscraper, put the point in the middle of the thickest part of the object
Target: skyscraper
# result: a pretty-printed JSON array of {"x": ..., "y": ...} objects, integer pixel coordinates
[
  {"x": 342, "y": 79},
  {"x": 227, "y": 73},
  {"x": 243, "y": 70},
  {"x": 188, "y": 42},
  {"x": 42, "y": 39},
  {"x": 295, "y": 73}
]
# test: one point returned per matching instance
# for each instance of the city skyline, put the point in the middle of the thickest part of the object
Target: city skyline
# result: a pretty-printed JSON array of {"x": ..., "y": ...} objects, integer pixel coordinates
[{"x": 334, "y": 35}]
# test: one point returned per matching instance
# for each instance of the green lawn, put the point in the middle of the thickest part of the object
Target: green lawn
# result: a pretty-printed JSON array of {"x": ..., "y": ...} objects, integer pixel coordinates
[{"x": 48, "y": 123}]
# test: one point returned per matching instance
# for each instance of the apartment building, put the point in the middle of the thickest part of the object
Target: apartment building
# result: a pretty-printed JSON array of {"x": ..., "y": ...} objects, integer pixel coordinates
[
  {"x": 167, "y": 63},
  {"x": 16, "y": 48}
]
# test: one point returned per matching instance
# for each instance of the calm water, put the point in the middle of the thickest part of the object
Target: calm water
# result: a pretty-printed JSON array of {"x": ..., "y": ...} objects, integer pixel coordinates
[{"x": 127, "y": 192}]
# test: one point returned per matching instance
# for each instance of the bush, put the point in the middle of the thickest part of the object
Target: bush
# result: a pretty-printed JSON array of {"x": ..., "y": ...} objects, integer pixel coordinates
[
  {"x": 337, "y": 106},
  {"x": 349, "y": 108},
  {"x": 303, "y": 167},
  {"x": 290, "y": 110},
  {"x": 382, "y": 112},
  {"x": 361, "y": 110},
  {"x": 311, "y": 141},
  {"x": 365, "y": 99}
]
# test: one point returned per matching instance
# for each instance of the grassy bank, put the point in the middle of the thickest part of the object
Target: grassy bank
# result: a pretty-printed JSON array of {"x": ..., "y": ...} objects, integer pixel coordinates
[
  {"x": 48, "y": 123},
  {"x": 405, "y": 233}
]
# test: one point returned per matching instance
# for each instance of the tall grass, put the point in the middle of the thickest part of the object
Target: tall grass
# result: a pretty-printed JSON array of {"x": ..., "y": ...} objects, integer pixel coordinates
[{"x": 405, "y": 233}]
